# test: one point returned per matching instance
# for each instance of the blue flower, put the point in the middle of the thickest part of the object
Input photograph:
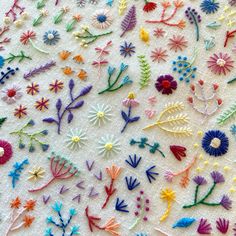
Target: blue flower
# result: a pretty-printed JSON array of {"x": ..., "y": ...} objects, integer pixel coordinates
[
  {"x": 31, "y": 148},
  {"x": 127, "y": 49},
  {"x": 126, "y": 80},
  {"x": 209, "y": 6},
  {"x": 49, "y": 219},
  {"x": 75, "y": 230},
  {"x": 111, "y": 70},
  {"x": 2, "y": 61},
  {"x": 123, "y": 67},
  {"x": 51, "y": 37},
  {"x": 48, "y": 232},
  {"x": 233, "y": 129},
  {"x": 57, "y": 206},
  {"x": 44, "y": 132},
  {"x": 31, "y": 122},
  {"x": 44, "y": 147},
  {"x": 73, "y": 212},
  {"x": 215, "y": 143}
]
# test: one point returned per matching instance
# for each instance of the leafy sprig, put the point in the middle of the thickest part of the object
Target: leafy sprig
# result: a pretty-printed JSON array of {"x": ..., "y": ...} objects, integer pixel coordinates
[
  {"x": 20, "y": 56},
  {"x": 227, "y": 115},
  {"x": 145, "y": 71}
]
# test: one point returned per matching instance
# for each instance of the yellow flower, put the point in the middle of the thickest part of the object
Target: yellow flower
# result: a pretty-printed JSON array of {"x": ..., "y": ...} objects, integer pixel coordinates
[
  {"x": 144, "y": 35},
  {"x": 168, "y": 194},
  {"x": 36, "y": 173}
]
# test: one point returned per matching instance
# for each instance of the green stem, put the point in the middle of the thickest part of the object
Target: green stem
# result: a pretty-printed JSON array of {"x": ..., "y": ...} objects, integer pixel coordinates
[
  {"x": 36, "y": 47},
  {"x": 231, "y": 81},
  {"x": 22, "y": 56},
  {"x": 93, "y": 37},
  {"x": 196, "y": 193},
  {"x": 211, "y": 204},
  {"x": 70, "y": 26}
]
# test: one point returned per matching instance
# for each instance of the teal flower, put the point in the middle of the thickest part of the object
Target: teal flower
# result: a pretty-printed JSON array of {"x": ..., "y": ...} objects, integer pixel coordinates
[
  {"x": 123, "y": 67},
  {"x": 73, "y": 212},
  {"x": 111, "y": 70},
  {"x": 75, "y": 230},
  {"x": 2, "y": 61},
  {"x": 57, "y": 206},
  {"x": 48, "y": 232},
  {"x": 126, "y": 80},
  {"x": 49, "y": 220}
]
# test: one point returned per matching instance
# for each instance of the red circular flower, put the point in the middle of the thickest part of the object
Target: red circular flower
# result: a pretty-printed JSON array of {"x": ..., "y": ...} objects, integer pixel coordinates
[
  {"x": 5, "y": 151},
  {"x": 165, "y": 84},
  {"x": 149, "y": 6}
]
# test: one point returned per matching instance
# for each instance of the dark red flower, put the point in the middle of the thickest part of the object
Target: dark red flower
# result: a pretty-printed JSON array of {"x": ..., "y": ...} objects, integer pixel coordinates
[
  {"x": 178, "y": 151},
  {"x": 5, "y": 151},
  {"x": 165, "y": 84},
  {"x": 149, "y": 6}
]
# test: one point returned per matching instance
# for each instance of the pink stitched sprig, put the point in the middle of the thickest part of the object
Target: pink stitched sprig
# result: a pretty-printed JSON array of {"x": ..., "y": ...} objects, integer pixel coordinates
[
  {"x": 169, "y": 175},
  {"x": 101, "y": 61},
  {"x": 229, "y": 34},
  {"x": 61, "y": 168},
  {"x": 6, "y": 39},
  {"x": 13, "y": 10},
  {"x": 113, "y": 172}
]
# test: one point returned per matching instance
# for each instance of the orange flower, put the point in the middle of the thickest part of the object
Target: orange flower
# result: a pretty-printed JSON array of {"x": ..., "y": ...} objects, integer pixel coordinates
[
  {"x": 181, "y": 24},
  {"x": 29, "y": 205},
  {"x": 111, "y": 227},
  {"x": 28, "y": 220},
  {"x": 67, "y": 70},
  {"x": 113, "y": 171},
  {"x": 64, "y": 54},
  {"x": 82, "y": 74},
  {"x": 166, "y": 4},
  {"x": 178, "y": 3},
  {"x": 15, "y": 203},
  {"x": 78, "y": 58},
  {"x": 77, "y": 17}
]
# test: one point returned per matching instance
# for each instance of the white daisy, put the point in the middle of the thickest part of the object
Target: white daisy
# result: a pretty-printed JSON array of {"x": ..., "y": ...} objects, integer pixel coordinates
[
  {"x": 108, "y": 145},
  {"x": 11, "y": 94},
  {"x": 100, "y": 114},
  {"x": 101, "y": 19},
  {"x": 76, "y": 139}
]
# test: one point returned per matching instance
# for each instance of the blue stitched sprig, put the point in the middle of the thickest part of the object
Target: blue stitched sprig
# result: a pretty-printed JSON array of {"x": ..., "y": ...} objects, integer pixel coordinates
[
  {"x": 63, "y": 225},
  {"x": 72, "y": 105},
  {"x": 150, "y": 174},
  {"x": 121, "y": 205},
  {"x": 6, "y": 75},
  {"x": 15, "y": 173},
  {"x": 32, "y": 137},
  {"x": 143, "y": 143},
  {"x": 112, "y": 85},
  {"x": 131, "y": 183},
  {"x": 133, "y": 161}
]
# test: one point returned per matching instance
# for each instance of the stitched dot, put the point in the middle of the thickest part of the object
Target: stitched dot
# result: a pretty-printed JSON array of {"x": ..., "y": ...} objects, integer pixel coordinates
[
  {"x": 11, "y": 93},
  {"x": 221, "y": 62},
  {"x": 101, "y": 18},
  {"x": 75, "y": 139},
  {"x": 165, "y": 84},
  {"x": 100, "y": 114},
  {"x": 215, "y": 142},
  {"x": 1, "y": 151},
  {"x": 108, "y": 146}
]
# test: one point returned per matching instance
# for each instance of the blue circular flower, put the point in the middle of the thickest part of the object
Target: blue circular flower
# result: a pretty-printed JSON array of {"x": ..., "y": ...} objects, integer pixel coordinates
[
  {"x": 2, "y": 61},
  {"x": 215, "y": 143},
  {"x": 209, "y": 6},
  {"x": 51, "y": 37}
]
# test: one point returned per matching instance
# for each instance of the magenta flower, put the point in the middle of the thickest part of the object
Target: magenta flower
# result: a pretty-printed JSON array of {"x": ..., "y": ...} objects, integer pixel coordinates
[
  {"x": 217, "y": 177},
  {"x": 165, "y": 84},
  {"x": 199, "y": 180},
  {"x": 204, "y": 227},
  {"x": 226, "y": 202},
  {"x": 5, "y": 151},
  {"x": 222, "y": 225},
  {"x": 169, "y": 176}
]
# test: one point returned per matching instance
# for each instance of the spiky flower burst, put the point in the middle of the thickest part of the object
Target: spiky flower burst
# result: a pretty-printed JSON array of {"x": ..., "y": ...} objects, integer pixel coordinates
[
  {"x": 51, "y": 37},
  {"x": 177, "y": 42},
  {"x": 101, "y": 19},
  {"x": 209, "y": 6},
  {"x": 36, "y": 173},
  {"x": 108, "y": 146},
  {"x": 100, "y": 114},
  {"x": 76, "y": 139},
  {"x": 159, "y": 55}
]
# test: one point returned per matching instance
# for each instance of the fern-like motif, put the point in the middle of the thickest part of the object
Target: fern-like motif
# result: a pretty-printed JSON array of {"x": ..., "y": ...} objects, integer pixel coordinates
[
  {"x": 145, "y": 71},
  {"x": 173, "y": 123},
  {"x": 228, "y": 114},
  {"x": 122, "y": 7}
]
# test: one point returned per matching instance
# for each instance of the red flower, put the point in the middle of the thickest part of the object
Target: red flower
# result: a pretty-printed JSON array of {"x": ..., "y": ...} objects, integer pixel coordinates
[
  {"x": 159, "y": 55},
  {"x": 20, "y": 111},
  {"x": 165, "y": 84},
  {"x": 178, "y": 151},
  {"x": 221, "y": 63},
  {"x": 42, "y": 104},
  {"x": 32, "y": 89},
  {"x": 149, "y": 6},
  {"x": 5, "y": 151},
  {"x": 56, "y": 86},
  {"x": 159, "y": 32},
  {"x": 25, "y": 37}
]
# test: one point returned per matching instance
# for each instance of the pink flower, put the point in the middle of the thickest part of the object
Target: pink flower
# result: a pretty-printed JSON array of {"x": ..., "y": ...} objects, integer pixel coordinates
[
  {"x": 169, "y": 176},
  {"x": 11, "y": 94},
  {"x": 221, "y": 63},
  {"x": 222, "y": 225},
  {"x": 130, "y": 101},
  {"x": 5, "y": 151},
  {"x": 204, "y": 227}
]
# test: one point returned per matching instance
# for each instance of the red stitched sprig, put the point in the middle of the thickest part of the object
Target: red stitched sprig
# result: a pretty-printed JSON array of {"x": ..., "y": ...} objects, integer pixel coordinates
[
  {"x": 6, "y": 39},
  {"x": 113, "y": 172},
  {"x": 229, "y": 34},
  {"x": 12, "y": 12}
]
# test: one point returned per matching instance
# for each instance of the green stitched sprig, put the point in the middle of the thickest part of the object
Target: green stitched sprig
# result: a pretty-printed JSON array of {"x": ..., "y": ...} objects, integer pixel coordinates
[
  {"x": 2, "y": 120},
  {"x": 20, "y": 56},
  {"x": 41, "y": 4},
  {"x": 37, "y": 21},
  {"x": 228, "y": 114},
  {"x": 33, "y": 137},
  {"x": 143, "y": 143},
  {"x": 59, "y": 16},
  {"x": 145, "y": 71}
]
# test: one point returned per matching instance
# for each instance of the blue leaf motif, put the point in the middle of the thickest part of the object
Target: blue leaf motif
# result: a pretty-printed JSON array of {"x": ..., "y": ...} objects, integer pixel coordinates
[
  {"x": 184, "y": 222},
  {"x": 134, "y": 119},
  {"x": 124, "y": 116},
  {"x": 70, "y": 118}
]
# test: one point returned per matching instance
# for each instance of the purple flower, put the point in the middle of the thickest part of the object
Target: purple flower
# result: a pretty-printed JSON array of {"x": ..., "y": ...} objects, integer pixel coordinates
[
  {"x": 204, "y": 227},
  {"x": 199, "y": 180},
  {"x": 222, "y": 225},
  {"x": 226, "y": 202},
  {"x": 217, "y": 177}
]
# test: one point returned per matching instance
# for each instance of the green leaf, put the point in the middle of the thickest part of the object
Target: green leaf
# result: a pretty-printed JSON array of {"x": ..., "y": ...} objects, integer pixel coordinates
[
  {"x": 2, "y": 120},
  {"x": 40, "y": 4},
  {"x": 228, "y": 114},
  {"x": 145, "y": 71}
]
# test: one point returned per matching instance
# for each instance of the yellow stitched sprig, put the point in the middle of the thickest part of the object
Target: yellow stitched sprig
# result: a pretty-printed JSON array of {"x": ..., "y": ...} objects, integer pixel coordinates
[
  {"x": 167, "y": 195},
  {"x": 172, "y": 123},
  {"x": 122, "y": 6}
]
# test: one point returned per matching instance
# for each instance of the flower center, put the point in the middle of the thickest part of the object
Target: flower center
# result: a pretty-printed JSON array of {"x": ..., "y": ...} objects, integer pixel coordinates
[
  {"x": 215, "y": 143},
  {"x": 131, "y": 95},
  {"x": 108, "y": 146},
  {"x": 11, "y": 93},
  {"x": 165, "y": 84},
  {"x": 220, "y": 62},
  {"x": 50, "y": 36},
  {"x": 75, "y": 139},
  {"x": 101, "y": 18},
  {"x": 100, "y": 114},
  {"x": 1, "y": 151}
]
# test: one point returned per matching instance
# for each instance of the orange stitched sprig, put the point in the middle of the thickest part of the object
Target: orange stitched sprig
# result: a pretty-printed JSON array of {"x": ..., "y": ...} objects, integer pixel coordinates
[
  {"x": 169, "y": 175},
  {"x": 110, "y": 227},
  {"x": 113, "y": 172},
  {"x": 17, "y": 214},
  {"x": 165, "y": 19}
]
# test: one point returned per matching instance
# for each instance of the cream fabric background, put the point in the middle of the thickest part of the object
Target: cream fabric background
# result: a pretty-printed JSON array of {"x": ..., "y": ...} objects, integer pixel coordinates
[{"x": 89, "y": 151}]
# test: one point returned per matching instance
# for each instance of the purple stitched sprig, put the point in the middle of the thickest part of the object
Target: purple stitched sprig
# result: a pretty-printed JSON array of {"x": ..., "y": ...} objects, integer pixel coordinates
[
  {"x": 39, "y": 70},
  {"x": 73, "y": 104},
  {"x": 12, "y": 12}
]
